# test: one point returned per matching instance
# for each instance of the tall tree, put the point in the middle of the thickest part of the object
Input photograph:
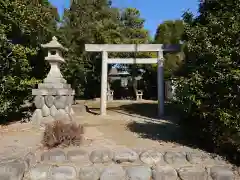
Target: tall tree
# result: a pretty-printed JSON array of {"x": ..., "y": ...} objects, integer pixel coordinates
[
  {"x": 133, "y": 27},
  {"x": 209, "y": 86},
  {"x": 170, "y": 32},
  {"x": 134, "y": 33},
  {"x": 88, "y": 21},
  {"x": 24, "y": 26}
]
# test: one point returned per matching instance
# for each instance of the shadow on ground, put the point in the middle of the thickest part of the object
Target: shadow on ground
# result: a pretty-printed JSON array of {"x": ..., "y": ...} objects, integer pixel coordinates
[
  {"x": 167, "y": 132},
  {"x": 166, "y": 128},
  {"x": 150, "y": 109},
  {"x": 144, "y": 109}
]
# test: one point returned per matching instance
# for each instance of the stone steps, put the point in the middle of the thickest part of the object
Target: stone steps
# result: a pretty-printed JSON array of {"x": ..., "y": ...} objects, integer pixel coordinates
[{"x": 87, "y": 163}]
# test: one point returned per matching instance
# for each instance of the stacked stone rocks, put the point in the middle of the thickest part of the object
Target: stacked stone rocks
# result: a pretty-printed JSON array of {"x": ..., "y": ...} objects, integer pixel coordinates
[
  {"x": 120, "y": 164},
  {"x": 54, "y": 97},
  {"x": 52, "y": 104}
]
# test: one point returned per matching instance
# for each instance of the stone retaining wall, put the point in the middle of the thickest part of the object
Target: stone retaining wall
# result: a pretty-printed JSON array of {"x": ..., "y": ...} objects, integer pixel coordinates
[{"x": 120, "y": 164}]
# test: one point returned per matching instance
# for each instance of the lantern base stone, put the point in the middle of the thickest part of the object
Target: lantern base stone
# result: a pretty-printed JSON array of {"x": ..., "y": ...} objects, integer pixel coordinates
[{"x": 52, "y": 102}]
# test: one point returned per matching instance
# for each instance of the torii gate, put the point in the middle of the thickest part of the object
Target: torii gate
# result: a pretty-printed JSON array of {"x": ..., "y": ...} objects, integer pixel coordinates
[{"x": 105, "y": 48}]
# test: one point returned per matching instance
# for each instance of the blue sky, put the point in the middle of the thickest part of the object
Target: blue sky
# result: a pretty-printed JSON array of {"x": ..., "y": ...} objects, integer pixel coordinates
[{"x": 153, "y": 11}]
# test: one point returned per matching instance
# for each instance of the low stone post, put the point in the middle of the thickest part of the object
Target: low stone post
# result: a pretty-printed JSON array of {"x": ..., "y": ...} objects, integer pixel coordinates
[
  {"x": 139, "y": 95},
  {"x": 54, "y": 97},
  {"x": 110, "y": 95},
  {"x": 170, "y": 90}
]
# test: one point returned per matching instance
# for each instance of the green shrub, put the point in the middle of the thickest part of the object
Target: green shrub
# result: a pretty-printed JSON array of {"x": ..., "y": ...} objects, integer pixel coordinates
[
  {"x": 208, "y": 86},
  {"x": 24, "y": 25}
]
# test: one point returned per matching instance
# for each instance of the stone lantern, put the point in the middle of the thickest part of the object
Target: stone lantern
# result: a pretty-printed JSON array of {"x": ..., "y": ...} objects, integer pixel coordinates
[{"x": 54, "y": 97}]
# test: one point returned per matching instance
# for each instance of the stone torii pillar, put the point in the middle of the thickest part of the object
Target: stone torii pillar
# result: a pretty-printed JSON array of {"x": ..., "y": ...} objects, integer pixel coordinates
[
  {"x": 54, "y": 97},
  {"x": 105, "y": 48}
]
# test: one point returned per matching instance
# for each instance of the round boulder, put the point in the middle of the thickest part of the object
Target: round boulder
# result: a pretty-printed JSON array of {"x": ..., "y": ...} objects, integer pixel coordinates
[
  {"x": 151, "y": 157},
  {"x": 164, "y": 172},
  {"x": 115, "y": 172},
  {"x": 125, "y": 155},
  {"x": 39, "y": 101},
  {"x": 101, "y": 156},
  {"x": 60, "y": 102},
  {"x": 89, "y": 173},
  {"x": 45, "y": 111},
  {"x": 175, "y": 157},
  {"x": 139, "y": 173},
  {"x": 221, "y": 172},
  {"x": 54, "y": 156},
  {"x": 63, "y": 173},
  {"x": 192, "y": 173},
  {"x": 49, "y": 100},
  {"x": 53, "y": 111},
  {"x": 37, "y": 117}
]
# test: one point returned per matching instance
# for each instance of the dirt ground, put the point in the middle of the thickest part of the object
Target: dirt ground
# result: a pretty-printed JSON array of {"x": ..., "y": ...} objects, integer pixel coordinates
[
  {"x": 127, "y": 124},
  {"x": 133, "y": 124}
]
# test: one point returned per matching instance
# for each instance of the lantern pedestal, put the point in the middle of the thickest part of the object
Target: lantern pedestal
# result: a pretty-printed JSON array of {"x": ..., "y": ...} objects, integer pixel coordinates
[
  {"x": 54, "y": 97},
  {"x": 52, "y": 103}
]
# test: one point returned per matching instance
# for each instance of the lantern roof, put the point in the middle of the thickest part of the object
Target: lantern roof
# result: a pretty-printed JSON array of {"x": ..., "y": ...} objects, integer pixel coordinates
[{"x": 54, "y": 44}]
